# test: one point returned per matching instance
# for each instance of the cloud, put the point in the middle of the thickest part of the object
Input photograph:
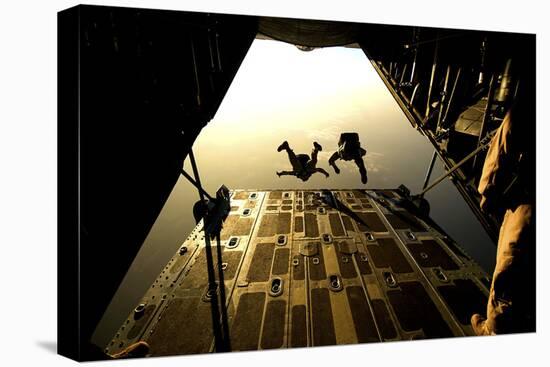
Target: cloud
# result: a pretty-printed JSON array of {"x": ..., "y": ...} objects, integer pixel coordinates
[
  {"x": 371, "y": 167},
  {"x": 331, "y": 133},
  {"x": 373, "y": 162},
  {"x": 375, "y": 154},
  {"x": 325, "y": 155}
]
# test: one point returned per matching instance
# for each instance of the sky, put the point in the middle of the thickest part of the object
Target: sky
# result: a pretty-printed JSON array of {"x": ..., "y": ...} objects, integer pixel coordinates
[{"x": 281, "y": 93}]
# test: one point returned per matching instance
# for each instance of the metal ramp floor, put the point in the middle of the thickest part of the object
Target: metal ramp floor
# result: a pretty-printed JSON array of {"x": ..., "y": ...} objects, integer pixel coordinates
[{"x": 299, "y": 272}]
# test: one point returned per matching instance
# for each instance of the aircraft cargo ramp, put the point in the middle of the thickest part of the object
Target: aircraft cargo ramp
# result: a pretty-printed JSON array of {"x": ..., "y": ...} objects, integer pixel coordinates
[{"x": 311, "y": 268}]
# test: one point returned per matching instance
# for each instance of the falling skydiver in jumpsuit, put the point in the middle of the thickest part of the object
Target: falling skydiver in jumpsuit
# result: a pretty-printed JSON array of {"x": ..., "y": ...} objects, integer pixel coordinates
[
  {"x": 302, "y": 166},
  {"x": 508, "y": 184},
  {"x": 349, "y": 148}
]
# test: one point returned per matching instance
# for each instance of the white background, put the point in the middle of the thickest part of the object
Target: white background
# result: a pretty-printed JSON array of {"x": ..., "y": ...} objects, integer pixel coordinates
[{"x": 28, "y": 186}]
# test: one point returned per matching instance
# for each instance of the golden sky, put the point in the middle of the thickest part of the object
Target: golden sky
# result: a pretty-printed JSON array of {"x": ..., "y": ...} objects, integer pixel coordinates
[{"x": 281, "y": 93}]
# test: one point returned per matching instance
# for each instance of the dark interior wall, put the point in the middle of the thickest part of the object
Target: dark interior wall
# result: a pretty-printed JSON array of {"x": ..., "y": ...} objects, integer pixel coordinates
[
  {"x": 148, "y": 81},
  {"x": 454, "y": 58},
  {"x": 393, "y": 45},
  {"x": 67, "y": 188}
]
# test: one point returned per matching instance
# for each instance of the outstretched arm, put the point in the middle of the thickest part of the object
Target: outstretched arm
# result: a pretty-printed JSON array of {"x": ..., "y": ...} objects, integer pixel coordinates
[
  {"x": 320, "y": 170},
  {"x": 286, "y": 173}
]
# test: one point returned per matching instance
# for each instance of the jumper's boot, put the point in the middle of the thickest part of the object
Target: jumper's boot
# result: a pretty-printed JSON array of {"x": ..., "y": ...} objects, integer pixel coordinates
[{"x": 283, "y": 146}]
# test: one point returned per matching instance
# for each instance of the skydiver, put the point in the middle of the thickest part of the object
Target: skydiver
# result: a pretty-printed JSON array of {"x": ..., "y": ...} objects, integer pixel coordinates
[
  {"x": 302, "y": 166},
  {"x": 349, "y": 149}
]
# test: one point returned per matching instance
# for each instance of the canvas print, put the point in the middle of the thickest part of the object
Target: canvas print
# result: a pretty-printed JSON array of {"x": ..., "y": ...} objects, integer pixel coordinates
[{"x": 239, "y": 183}]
